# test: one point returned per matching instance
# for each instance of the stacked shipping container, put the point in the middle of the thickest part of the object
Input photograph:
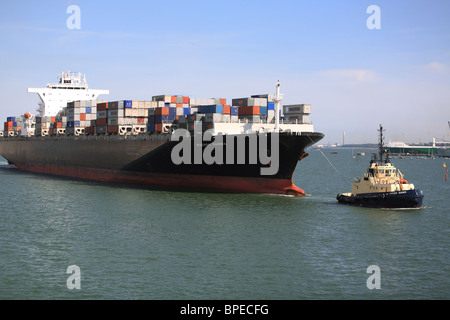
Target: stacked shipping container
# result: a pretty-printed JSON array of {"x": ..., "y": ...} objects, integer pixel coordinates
[
  {"x": 159, "y": 115},
  {"x": 297, "y": 113}
]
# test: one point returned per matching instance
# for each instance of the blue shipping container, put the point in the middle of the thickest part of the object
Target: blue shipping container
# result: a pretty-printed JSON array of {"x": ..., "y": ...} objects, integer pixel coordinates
[
  {"x": 263, "y": 111},
  {"x": 127, "y": 103},
  {"x": 186, "y": 111},
  {"x": 11, "y": 119},
  {"x": 88, "y": 109},
  {"x": 151, "y": 119},
  {"x": 234, "y": 111},
  {"x": 270, "y": 105},
  {"x": 151, "y": 127},
  {"x": 172, "y": 111},
  {"x": 211, "y": 109}
]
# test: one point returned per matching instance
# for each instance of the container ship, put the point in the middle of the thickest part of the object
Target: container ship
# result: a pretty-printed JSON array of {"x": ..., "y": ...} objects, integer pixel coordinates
[{"x": 252, "y": 145}]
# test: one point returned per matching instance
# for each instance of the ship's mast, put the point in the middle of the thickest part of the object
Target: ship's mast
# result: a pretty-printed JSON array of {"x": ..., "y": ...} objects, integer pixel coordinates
[
  {"x": 278, "y": 99},
  {"x": 381, "y": 144}
]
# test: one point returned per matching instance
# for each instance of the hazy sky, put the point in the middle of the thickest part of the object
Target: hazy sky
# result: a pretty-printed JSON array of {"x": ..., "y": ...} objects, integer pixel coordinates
[{"x": 322, "y": 52}]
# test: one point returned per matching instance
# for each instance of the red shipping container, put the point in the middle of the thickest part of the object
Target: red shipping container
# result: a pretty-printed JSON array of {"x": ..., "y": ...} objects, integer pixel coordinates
[
  {"x": 158, "y": 127},
  {"x": 82, "y": 116},
  {"x": 113, "y": 129},
  {"x": 185, "y": 99},
  {"x": 226, "y": 109},
  {"x": 102, "y": 106},
  {"x": 173, "y": 99},
  {"x": 249, "y": 111},
  {"x": 59, "y": 124},
  {"x": 179, "y": 105},
  {"x": 101, "y": 122},
  {"x": 53, "y": 119},
  {"x": 163, "y": 111},
  {"x": 141, "y": 120}
]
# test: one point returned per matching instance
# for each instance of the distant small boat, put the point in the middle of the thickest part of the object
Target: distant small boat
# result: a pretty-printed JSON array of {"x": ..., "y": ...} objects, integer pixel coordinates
[
  {"x": 361, "y": 154},
  {"x": 333, "y": 152},
  {"x": 382, "y": 186}
]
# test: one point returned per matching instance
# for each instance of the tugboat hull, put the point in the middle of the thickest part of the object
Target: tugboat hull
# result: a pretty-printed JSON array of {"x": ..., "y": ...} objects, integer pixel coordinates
[{"x": 397, "y": 199}]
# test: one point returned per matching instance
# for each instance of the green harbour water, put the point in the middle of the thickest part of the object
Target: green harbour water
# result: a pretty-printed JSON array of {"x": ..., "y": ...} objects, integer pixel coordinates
[{"x": 136, "y": 243}]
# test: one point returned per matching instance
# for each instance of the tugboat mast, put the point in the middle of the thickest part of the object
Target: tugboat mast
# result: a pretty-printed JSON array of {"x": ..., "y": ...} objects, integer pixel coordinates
[{"x": 381, "y": 149}]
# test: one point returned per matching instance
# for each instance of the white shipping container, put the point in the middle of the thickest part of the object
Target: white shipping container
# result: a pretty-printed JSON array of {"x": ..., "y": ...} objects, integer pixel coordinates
[
  {"x": 128, "y": 112},
  {"x": 180, "y": 111},
  {"x": 135, "y": 104}
]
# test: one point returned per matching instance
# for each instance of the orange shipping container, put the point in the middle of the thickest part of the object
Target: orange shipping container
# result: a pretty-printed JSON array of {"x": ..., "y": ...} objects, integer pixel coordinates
[
  {"x": 185, "y": 99},
  {"x": 226, "y": 109},
  {"x": 179, "y": 105},
  {"x": 173, "y": 99},
  {"x": 223, "y": 101},
  {"x": 82, "y": 116}
]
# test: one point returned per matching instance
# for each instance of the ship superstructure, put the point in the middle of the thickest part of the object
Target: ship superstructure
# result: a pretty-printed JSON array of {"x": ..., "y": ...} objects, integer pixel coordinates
[{"x": 71, "y": 86}]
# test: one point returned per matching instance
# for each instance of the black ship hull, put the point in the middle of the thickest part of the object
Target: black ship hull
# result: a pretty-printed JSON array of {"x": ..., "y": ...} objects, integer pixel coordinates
[{"x": 149, "y": 161}]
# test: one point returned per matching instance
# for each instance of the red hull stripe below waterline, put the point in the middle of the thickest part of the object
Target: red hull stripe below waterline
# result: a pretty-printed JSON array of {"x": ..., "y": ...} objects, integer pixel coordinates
[{"x": 206, "y": 182}]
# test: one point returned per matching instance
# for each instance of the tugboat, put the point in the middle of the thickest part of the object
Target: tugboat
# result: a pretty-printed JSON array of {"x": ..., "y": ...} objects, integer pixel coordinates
[{"x": 382, "y": 186}]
